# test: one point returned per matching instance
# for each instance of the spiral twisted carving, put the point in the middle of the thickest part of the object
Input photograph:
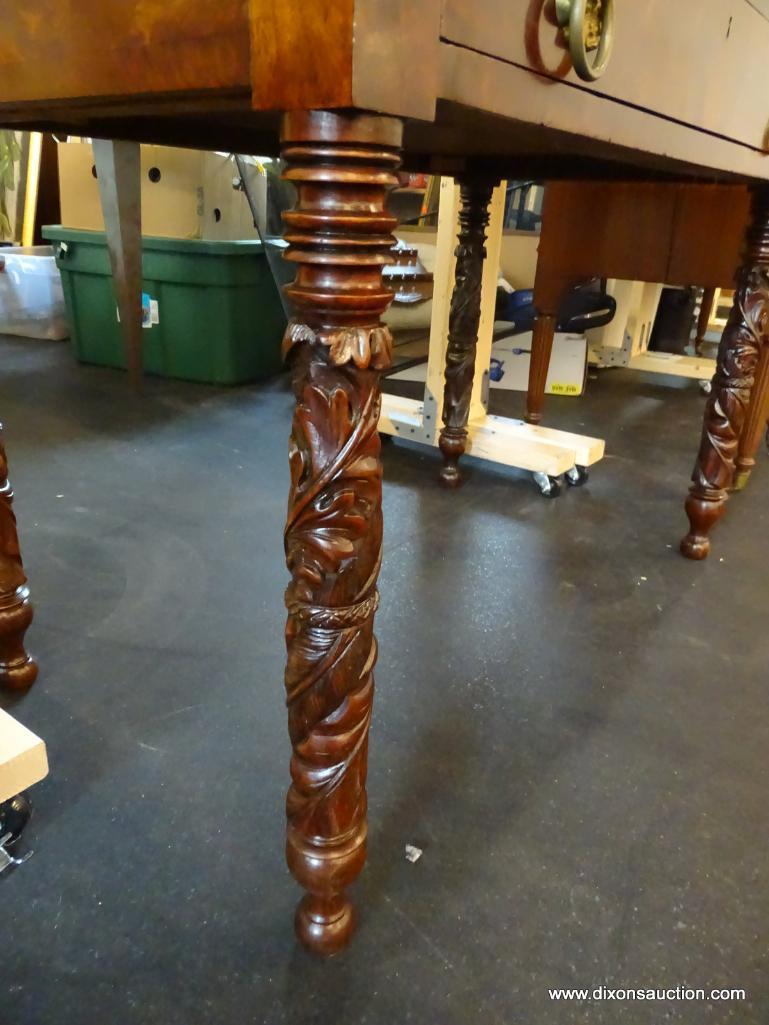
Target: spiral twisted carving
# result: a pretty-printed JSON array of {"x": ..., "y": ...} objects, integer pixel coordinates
[
  {"x": 745, "y": 336},
  {"x": 464, "y": 318},
  {"x": 339, "y": 236}
]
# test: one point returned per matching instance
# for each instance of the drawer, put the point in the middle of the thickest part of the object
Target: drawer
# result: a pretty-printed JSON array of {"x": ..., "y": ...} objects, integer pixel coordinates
[{"x": 699, "y": 62}]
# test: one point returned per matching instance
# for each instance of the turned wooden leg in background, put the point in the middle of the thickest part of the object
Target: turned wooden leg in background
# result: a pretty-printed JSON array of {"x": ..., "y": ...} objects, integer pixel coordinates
[
  {"x": 745, "y": 335},
  {"x": 464, "y": 318},
  {"x": 18, "y": 670},
  {"x": 339, "y": 236},
  {"x": 708, "y": 297},
  {"x": 755, "y": 423},
  {"x": 541, "y": 351}
]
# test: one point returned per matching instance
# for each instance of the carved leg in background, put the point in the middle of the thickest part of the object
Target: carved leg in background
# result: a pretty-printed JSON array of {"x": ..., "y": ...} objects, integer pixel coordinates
[
  {"x": 745, "y": 334},
  {"x": 708, "y": 297},
  {"x": 541, "y": 351},
  {"x": 464, "y": 318},
  {"x": 339, "y": 235},
  {"x": 755, "y": 423},
  {"x": 18, "y": 670}
]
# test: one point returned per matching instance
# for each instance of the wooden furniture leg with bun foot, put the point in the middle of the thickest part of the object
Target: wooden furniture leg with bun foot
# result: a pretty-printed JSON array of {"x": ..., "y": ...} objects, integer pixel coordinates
[
  {"x": 464, "y": 319},
  {"x": 339, "y": 236},
  {"x": 18, "y": 670},
  {"x": 740, "y": 357}
]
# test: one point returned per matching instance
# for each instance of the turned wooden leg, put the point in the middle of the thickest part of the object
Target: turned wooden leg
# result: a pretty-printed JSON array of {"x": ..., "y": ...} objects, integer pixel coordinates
[
  {"x": 464, "y": 318},
  {"x": 339, "y": 237},
  {"x": 745, "y": 334},
  {"x": 755, "y": 423},
  {"x": 541, "y": 351},
  {"x": 18, "y": 670}
]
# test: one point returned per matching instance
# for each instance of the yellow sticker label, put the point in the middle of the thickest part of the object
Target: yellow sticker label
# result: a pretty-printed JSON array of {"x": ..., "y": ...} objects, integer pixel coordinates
[{"x": 557, "y": 388}]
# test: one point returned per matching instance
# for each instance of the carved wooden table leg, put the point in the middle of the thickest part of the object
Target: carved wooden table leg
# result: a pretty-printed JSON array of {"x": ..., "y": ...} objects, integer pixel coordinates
[
  {"x": 755, "y": 423},
  {"x": 464, "y": 318},
  {"x": 746, "y": 332},
  {"x": 708, "y": 296},
  {"x": 18, "y": 670},
  {"x": 541, "y": 351},
  {"x": 339, "y": 235}
]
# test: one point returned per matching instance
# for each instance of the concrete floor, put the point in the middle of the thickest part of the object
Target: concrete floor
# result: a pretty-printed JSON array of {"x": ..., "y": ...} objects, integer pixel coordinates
[{"x": 572, "y": 722}]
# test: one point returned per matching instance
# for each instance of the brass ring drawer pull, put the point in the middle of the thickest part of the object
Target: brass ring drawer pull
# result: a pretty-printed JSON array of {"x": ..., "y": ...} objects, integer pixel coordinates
[{"x": 589, "y": 26}]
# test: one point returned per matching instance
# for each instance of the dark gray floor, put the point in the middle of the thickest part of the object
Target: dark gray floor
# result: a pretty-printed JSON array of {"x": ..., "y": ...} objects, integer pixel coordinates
[{"x": 571, "y": 720}]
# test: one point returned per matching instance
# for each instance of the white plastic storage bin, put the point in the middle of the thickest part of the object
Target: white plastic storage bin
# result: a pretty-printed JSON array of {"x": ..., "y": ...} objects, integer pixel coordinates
[{"x": 31, "y": 296}]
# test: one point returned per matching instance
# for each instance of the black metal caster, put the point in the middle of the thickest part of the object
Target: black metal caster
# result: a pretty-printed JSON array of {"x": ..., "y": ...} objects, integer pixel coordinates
[
  {"x": 706, "y": 387},
  {"x": 549, "y": 486},
  {"x": 577, "y": 476},
  {"x": 14, "y": 816}
]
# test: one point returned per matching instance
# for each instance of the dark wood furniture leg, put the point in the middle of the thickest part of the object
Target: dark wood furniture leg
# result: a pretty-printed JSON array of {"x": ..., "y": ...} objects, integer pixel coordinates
[
  {"x": 464, "y": 318},
  {"x": 708, "y": 296},
  {"x": 339, "y": 236},
  {"x": 745, "y": 335},
  {"x": 755, "y": 423},
  {"x": 118, "y": 170},
  {"x": 541, "y": 351},
  {"x": 18, "y": 670}
]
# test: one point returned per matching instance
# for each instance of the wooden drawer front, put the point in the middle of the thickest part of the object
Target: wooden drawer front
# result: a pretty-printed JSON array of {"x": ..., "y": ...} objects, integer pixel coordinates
[{"x": 701, "y": 62}]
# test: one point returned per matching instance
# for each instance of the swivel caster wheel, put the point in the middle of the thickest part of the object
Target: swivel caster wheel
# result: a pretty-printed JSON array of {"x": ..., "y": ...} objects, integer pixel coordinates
[
  {"x": 577, "y": 476},
  {"x": 14, "y": 816},
  {"x": 549, "y": 486},
  {"x": 706, "y": 387}
]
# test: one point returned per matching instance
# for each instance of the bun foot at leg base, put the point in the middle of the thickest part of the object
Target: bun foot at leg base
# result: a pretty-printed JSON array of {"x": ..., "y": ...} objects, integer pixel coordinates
[
  {"x": 324, "y": 927},
  {"x": 18, "y": 670},
  {"x": 450, "y": 477},
  {"x": 452, "y": 443},
  {"x": 703, "y": 513},
  {"x": 694, "y": 547},
  {"x": 18, "y": 676}
]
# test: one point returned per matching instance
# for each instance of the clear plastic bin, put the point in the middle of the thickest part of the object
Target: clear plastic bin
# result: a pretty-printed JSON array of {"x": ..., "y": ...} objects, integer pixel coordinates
[{"x": 31, "y": 295}]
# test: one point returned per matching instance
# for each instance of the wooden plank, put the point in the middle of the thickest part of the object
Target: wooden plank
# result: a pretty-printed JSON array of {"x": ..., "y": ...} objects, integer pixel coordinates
[
  {"x": 587, "y": 450},
  {"x": 402, "y": 417},
  {"x": 697, "y": 367},
  {"x": 23, "y": 759},
  {"x": 509, "y": 442},
  {"x": 496, "y": 442},
  {"x": 661, "y": 51}
]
